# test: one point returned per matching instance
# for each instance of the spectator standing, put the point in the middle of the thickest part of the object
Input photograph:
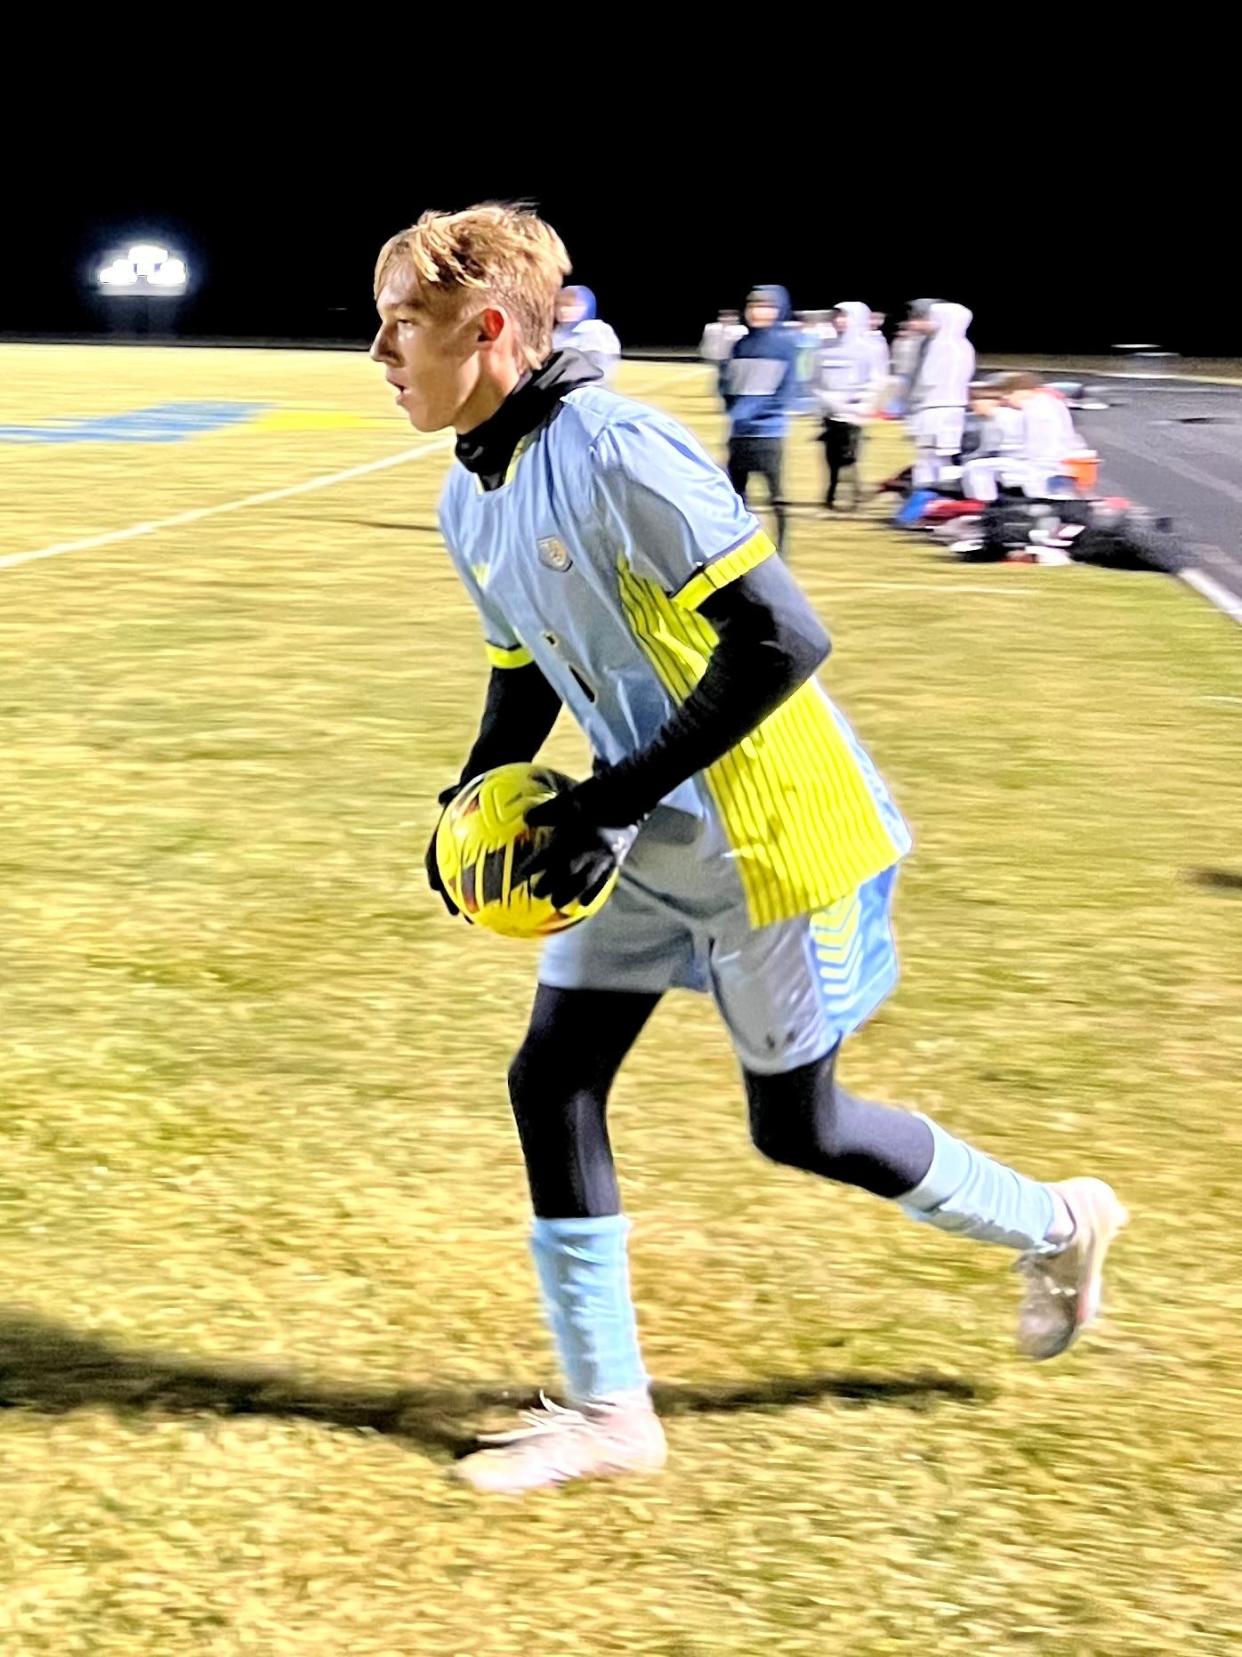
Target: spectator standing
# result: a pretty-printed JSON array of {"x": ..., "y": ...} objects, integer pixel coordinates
[{"x": 759, "y": 386}]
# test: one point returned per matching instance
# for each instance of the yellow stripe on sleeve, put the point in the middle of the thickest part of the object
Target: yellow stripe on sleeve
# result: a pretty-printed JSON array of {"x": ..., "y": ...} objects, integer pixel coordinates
[
  {"x": 518, "y": 656},
  {"x": 721, "y": 571}
]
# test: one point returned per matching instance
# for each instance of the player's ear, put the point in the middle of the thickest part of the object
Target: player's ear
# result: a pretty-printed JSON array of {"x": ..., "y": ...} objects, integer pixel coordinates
[{"x": 491, "y": 325}]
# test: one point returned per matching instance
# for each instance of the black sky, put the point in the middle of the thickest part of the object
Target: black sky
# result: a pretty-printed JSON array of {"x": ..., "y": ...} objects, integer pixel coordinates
[{"x": 281, "y": 222}]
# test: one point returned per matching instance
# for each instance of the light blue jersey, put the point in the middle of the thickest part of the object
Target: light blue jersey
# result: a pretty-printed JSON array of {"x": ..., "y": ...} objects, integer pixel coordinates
[{"x": 610, "y": 530}]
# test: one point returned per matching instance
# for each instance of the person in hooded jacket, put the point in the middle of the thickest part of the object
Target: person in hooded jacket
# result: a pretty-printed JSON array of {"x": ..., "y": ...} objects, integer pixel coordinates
[
  {"x": 759, "y": 387},
  {"x": 578, "y": 328},
  {"x": 1029, "y": 435},
  {"x": 850, "y": 383},
  {"x": 940, "y": 393}
]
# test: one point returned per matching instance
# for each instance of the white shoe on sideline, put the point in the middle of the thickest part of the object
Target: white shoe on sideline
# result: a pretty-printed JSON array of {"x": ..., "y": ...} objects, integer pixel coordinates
[
  {"x": 556, "y": 1445},
  {"x": 1063, "y": 1288}
]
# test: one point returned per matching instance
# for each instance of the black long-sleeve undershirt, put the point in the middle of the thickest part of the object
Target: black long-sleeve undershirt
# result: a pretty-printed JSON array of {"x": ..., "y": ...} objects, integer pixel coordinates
[
  {"x": 519, "y": 712},
  {"x": 769, "y": 643}
]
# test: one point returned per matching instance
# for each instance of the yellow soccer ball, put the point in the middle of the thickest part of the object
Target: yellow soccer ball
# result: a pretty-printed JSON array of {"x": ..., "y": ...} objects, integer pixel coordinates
[{"x": 483, "y": 848}]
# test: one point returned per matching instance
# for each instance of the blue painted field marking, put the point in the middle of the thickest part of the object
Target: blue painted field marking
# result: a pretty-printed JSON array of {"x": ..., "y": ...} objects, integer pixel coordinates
[{"x": 163, "y": 423}]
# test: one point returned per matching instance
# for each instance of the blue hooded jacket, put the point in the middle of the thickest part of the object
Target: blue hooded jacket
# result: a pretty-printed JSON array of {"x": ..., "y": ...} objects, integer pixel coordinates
[
  {"x": 593, "y": 338},
  {"x": 759, "y": 382}
]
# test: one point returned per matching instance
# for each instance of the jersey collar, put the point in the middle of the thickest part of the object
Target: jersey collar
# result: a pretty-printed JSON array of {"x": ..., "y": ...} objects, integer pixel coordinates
[{"x": 488, "y": 449}]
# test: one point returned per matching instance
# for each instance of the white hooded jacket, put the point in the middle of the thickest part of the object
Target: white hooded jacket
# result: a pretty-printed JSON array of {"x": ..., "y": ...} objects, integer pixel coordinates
[
  {"x": 847, "y": 365},
  {"x": 948, "y": 364},
  {"x": 718, "y": 340}
]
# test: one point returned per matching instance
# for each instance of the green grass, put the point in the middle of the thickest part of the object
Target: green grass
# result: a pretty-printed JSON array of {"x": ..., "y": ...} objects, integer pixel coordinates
[{"x": 261, "y": 1211}]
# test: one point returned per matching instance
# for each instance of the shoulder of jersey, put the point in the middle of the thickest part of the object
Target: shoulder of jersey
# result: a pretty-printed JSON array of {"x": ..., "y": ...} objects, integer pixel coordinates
[{"x": 590, "y": 410}]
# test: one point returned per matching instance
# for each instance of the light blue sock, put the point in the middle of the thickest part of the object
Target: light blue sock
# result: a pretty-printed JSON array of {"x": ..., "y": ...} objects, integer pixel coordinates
[
  {"x": 585, "y": 1281},
  {"x": 966, "y": 1192}
]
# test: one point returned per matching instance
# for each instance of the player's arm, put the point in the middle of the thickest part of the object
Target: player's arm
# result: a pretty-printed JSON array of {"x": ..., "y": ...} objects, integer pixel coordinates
[
  {"x": 519, "y": 712},
  {"x": 681, "y": 523},
  {"x": 770, "y": 643},
  {"x": 520, "y": 707}
]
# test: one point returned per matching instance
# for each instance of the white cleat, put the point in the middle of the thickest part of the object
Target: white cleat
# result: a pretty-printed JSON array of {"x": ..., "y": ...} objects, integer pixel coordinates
[
  {"x": 597, "y": 1441},
  {"x": 1063, "y": 1288}
]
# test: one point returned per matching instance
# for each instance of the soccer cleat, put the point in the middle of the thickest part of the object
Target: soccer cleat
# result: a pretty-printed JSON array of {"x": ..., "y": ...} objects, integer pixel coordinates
[
  {"x": 1063, "y": 1287},
  {"x": 597, "y": 1441}
]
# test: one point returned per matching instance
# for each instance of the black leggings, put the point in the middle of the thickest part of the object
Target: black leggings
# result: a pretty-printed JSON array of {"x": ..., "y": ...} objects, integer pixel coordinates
[
  {"x": 764, "y": 455},
  {"x": 842, "y": 445},
  {"x": 560, "y": 1080}
]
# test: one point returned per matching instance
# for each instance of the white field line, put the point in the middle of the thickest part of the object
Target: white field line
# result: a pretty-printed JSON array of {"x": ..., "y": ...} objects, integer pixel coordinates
[
  {"x": 112, "y": 537},
  {"x": 1214, "y": 592}
]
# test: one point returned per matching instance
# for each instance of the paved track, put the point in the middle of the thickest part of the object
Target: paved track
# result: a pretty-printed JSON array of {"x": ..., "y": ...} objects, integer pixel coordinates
[{"x": 1177, "y": 449}]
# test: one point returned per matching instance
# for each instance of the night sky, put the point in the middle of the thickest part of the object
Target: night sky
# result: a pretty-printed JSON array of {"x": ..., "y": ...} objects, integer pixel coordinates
[{"x": 281, "y": 228}]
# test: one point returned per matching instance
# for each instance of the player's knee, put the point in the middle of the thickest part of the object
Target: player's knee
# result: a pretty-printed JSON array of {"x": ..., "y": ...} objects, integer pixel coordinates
[
  {"x": 777, "y": 1116},
  {"x": 544, "y": 1083},
  {"x": 795, "y": 1117}
]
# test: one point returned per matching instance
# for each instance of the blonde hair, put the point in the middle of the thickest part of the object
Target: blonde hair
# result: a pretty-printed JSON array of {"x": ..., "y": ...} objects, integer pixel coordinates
[{"x": 505, "y": 253}]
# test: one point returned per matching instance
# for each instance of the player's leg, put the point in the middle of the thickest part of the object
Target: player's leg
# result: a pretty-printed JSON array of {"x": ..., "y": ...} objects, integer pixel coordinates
[
  {"x": 789, "y": 995},
  {"x": 806, "y": 1119},
  {"x": 559, "y": 1084}
]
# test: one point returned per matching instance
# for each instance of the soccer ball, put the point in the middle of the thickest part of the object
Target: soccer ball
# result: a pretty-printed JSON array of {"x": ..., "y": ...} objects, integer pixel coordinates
[{"x": 483, "y": 848}]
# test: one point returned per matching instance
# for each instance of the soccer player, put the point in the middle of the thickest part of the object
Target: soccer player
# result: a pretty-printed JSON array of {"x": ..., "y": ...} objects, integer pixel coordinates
[{"x": 616, "y": 571}]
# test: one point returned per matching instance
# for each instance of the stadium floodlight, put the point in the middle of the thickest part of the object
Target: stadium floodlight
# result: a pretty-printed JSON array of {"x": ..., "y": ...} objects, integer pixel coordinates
[
  {"x": 118, "y": 273},
  {"x": 147, "y": 257},
  {"x": 144, "y": 267},
  {"x": 171, "y": 273}
]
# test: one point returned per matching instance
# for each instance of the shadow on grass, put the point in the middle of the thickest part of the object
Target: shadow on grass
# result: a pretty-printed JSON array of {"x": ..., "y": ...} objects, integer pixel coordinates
[
  {"x": 1217, "y": 880},
  {"x": 407, "y": 528},
  {"x": 49, "y": 1367}
]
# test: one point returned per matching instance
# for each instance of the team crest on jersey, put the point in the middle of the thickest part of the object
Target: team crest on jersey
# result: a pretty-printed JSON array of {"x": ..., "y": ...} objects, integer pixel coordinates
[{"x": 554, "y": 553}]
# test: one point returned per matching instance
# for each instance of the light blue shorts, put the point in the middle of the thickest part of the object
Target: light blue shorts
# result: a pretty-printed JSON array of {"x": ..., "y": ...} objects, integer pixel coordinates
[{"x": 788, "y": 992}]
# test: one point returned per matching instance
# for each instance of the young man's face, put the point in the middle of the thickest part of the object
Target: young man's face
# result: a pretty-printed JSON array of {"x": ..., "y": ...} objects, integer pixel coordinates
[
  {"x": 760, "y": 313},
  {"x": 432, "y": 358}
]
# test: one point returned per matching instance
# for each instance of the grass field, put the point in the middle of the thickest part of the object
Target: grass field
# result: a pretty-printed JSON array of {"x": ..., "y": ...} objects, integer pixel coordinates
[{"x": 262, "y": 1219}]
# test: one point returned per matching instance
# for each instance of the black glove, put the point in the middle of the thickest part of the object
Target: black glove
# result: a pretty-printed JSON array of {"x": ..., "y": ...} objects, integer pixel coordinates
[
  {"x": 430, "y": 863},
  {"x": 581, "y": 854}
]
